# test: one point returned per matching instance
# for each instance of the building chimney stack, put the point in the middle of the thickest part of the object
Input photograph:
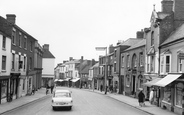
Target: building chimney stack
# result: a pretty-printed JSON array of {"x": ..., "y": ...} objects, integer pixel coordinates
[
  {"x": 167, "y": 6},
  {"x": 11, "y": 18},
  {"x": 46, "y": 46},
  {"x": 140, "y": 34}
]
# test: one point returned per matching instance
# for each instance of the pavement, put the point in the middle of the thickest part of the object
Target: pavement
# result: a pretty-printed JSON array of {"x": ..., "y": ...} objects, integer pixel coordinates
[{"x": 40, "y": 94}]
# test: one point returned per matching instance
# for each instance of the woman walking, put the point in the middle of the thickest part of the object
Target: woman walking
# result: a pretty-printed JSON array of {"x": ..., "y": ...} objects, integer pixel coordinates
[{"x": 141, "y": 97}]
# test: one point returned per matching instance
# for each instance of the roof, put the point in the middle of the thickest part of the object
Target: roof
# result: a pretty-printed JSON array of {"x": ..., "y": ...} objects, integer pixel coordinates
[
  {"x": 175, "y": 35},
  {"x": 47, "y": 54},
  {"x": 86, "y": 70},
  {"x": 130, "y": 41},
  {"x": 74, "y": 61},
  {"x": 139, "y": 44},
  {"x": 5, "y": 27}
]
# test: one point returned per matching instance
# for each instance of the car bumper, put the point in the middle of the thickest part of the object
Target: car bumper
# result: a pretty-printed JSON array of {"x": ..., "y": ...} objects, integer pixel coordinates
[{"x": 62, "y": 104}]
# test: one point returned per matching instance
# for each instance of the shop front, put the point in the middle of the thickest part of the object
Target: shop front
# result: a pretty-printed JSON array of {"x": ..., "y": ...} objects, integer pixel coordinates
[
  {"x": 171, "y": 92},
  {"x": 4, "y": 81},
  {"x": 14, "y": 85}
]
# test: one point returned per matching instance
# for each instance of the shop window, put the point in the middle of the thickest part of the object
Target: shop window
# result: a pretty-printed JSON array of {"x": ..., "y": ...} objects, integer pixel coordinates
[
  {"x": 167, "y": 94},
  {"x": 4, "y": 88},
  {"x": 178, "y": 94}
]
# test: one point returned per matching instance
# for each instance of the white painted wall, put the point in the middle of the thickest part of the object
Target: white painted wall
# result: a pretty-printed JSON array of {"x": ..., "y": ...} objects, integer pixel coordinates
[
  {"x": 48, "y": 66},
  {"x": 7, "y": 53}
]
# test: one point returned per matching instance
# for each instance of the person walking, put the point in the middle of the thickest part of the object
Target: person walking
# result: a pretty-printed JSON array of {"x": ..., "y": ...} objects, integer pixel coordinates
[
  {"x": 141, "y": 98},
  {"x": 151, "y": 96},
  {"x": 47, "y": 89},
  {"x": 33, "y": 90},
  {"x": 101, "y": 87}
]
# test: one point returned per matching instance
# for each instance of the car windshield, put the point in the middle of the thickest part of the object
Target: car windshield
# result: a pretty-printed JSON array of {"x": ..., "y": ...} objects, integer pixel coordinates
[{"x": 62, "y": 94}]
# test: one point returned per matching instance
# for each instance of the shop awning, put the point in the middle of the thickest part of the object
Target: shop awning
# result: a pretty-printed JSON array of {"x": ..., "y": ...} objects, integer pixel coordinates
[
  {"x": 55, "y": 80},
  {"x": 75, "y": 79},
  {"x": 60, "y": 80},
  {"x": 67, "y": 79},
  {"x": 151, "y": 83},
  {"x": 167, "y": 80}
]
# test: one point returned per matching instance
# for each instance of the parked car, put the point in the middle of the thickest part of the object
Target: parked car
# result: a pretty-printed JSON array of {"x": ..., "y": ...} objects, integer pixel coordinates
[{"x": 62, "y": 98}]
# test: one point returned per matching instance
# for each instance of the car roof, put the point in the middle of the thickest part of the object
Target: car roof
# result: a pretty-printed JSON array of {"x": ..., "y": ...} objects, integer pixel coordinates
[{"x": 62, "y": 90}]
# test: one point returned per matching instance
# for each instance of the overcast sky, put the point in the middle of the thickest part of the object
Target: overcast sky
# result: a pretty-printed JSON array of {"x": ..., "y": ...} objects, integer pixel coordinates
[{"x": 73, "y": 28}]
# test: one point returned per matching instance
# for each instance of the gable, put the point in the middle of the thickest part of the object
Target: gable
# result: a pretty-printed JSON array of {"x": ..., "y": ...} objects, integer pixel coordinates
[{"x": 151, "y": 51}]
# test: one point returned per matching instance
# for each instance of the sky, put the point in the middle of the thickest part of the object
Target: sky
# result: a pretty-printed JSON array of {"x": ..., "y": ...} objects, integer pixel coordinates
[{"x": 74, "y": 28}]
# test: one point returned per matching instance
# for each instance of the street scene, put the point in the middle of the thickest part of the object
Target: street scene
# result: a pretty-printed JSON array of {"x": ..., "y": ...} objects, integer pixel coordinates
[
  {"x": 96, "y": 57},
  {"x": 85, "y": 102}
]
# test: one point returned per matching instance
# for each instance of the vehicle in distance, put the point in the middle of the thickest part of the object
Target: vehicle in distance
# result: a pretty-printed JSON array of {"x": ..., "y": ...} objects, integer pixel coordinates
[{"x": 62, "y": 98}]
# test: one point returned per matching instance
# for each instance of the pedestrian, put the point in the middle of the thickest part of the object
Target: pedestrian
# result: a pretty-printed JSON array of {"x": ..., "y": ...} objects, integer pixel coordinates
[
  {"x": 141, "y": 97},
  {"x": 33, "y": 90},
  {"x": 101, "y": 87},
  {"x": 47, "y": 89},
  {"x": 51, "y": 89},
  {"x": 151, "y": 96}
]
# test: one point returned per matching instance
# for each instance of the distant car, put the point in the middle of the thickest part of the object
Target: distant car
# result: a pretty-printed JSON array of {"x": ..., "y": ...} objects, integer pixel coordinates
[{"x": 62, "y": 98}]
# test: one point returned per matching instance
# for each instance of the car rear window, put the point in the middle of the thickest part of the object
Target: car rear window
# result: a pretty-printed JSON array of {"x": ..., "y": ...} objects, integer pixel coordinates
[{"x": 62, "y": 94}]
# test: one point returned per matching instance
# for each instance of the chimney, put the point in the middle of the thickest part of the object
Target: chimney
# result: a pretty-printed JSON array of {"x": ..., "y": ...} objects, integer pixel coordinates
[
  {"x": 140, "y": 34},
  {"x": 11, "y": 18},
  {"x": 178, "y": 9},
  {"x": 71, "y": 58},
  {"x": 111, "y": 48},
  {"x": 92, "y": 62},
  {"x": 167, "y": 6},
  {"x": 46, "y": 46}
]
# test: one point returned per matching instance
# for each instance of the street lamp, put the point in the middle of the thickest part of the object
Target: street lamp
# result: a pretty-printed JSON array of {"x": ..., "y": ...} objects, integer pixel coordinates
[{"x": 102, "y": 49}]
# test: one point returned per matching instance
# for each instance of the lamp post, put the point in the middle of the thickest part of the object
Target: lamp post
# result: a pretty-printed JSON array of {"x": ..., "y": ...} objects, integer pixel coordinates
[{"x": 102, "y": 49}]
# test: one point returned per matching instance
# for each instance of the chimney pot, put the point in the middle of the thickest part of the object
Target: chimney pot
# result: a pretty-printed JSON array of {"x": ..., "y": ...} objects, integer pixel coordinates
[{"x": 11, "y": 18}]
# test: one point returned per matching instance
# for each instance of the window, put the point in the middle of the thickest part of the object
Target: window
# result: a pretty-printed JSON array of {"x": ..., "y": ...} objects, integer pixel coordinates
[
  {"x": 148, "y": 64},
  {"x": 178, "y": 94},
  {"x": 162, "y": 64},
  {"x": 115, "y": 53},
  {"x": 25, "y": 42},
  {"x": 167, "y": 64},
  {"x": 20, "y": 62},
  {"x": 13, "y": 37},
  {"x": 24, "y": 62},
  {"x": 167, "y": 94},
  {"x": 152, "y": 63},
  {"x": 3, "y": 62},
  {"x": 128, "y": 61},
  {"x": 20, "y": 39},
  {"x": 4, "y": 42},
  {"x": 134, "y": 60},
  {"x": 152, "y": 38},
  {"x": 31, "y": 46},
  {"x": 141, "y": 59},
  {"x": 180, "y": 64},
  {"x": 13, "y": 61},
  {"x": 127, "y": 81},
  {"x": 115, "y": 67},
  {"x": 122, "y": 61}
]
